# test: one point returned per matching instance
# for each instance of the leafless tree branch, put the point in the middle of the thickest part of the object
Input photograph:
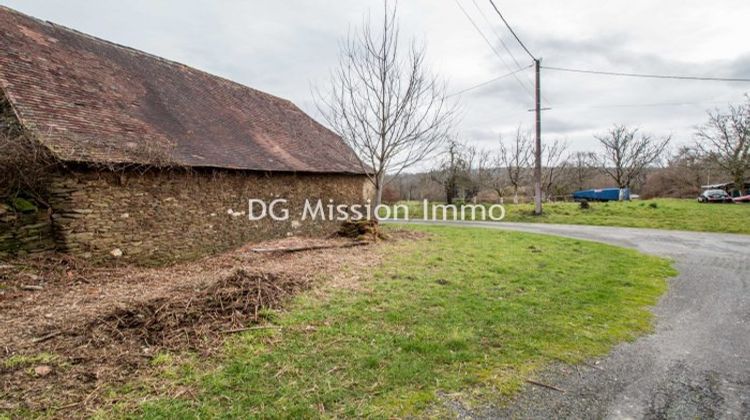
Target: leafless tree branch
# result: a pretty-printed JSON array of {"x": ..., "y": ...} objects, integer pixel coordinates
[
  {"x": 627, "y": 153},
  {"x": 516, "y": 159},
  {"x": 553, "y": 165},
  {"x": 384, "y": 103},
  {"x": 725, "y": 140}
]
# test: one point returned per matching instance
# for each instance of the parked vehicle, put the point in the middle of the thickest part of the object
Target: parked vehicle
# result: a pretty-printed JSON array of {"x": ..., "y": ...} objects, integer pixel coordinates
[
  {"x": 742, "y": 199},
  {"x": 602, "y": 194},
  {"x": 715, "y": 196}
]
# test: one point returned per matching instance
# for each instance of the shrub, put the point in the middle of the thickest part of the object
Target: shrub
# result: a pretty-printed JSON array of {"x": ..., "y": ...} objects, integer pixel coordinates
[
  {"x": 391, "y": 194},
  {"x": 25, "y": 166}
]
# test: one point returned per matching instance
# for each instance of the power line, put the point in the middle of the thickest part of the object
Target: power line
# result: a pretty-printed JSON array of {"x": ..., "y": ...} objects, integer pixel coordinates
[
  {"x": 488, "y": 81},
  {"x": 648, "y": 76},
  {"x": 492, "y": 47},
  {"x": 500, "y": 38},
  {"x": 505, "y": 46},
  {"x": 537, "y": 115},
  {"x": 512, "y": 31}
]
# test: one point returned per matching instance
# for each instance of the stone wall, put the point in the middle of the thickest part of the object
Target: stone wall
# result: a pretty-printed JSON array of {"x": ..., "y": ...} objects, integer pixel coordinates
[
  {"x": 24, "y": 230},
  {"x": 158, "y": 216},
  {"x": 164, "y": 216},
  {"x": 25, "y": 225}
]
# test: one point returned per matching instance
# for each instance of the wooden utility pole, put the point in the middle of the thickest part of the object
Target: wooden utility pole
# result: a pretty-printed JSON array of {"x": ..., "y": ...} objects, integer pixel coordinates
[
  {"x": 538, "y": 111},
  {"x": 538, "y": 141}
]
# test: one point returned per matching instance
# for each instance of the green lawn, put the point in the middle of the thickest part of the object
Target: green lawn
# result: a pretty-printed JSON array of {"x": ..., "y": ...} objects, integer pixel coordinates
[
  {"x": 464, "y": 310},
  {"x": 664, "y": 213}
]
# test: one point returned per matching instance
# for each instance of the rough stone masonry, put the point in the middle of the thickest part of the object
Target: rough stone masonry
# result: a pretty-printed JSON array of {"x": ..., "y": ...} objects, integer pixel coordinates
[{"x": 151, "y": 161}]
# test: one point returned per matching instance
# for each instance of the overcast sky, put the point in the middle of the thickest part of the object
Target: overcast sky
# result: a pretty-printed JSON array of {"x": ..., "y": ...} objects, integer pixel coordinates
[{"x": 285, "y": 47}]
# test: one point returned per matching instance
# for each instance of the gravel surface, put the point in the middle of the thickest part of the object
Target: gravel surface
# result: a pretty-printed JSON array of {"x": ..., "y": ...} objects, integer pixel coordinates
[{"x": 695, "y": 365}]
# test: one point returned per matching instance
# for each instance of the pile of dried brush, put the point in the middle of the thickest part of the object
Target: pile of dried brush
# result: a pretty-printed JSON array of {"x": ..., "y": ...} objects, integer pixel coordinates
[
  {"x": 174, "y": 322},
  {"x": 109, "y": 348},
  {"x": 362, "y": 230}
]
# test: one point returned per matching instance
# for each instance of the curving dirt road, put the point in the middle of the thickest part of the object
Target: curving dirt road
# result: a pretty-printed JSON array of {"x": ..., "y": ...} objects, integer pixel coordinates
[{"x": 695, "y": 365}]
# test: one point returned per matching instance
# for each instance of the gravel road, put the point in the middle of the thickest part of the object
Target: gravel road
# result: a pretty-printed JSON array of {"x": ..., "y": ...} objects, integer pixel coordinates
[{"x": 695, "y": 365}]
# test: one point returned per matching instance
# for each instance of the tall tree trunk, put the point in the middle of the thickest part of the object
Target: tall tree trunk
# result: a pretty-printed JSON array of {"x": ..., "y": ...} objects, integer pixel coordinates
[
  {"x": 739, "y": 182},
  {"x": 450, "y": 193},
  {"x": 499, "y": 195},
  {"x": 377, "y": 182},
  {"x": 378, "y": 191}
]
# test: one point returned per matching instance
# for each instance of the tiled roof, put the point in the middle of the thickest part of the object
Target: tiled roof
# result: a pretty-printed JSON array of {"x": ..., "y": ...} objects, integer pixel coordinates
[{"x": 90, "y": 100}]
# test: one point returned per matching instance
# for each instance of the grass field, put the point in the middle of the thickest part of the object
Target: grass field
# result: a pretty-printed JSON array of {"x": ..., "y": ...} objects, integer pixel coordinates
[
  {"x": 465, "y": 310},
  {"x": 671, "y": 214}
]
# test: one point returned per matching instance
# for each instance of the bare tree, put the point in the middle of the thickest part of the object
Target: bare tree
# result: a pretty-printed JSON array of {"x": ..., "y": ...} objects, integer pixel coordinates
[
  {"x": 483, "y": 173},
  {"x": 459, "y": 171},
  {"x": 491, "y": 176},
  {"x": 553, "y": 164},
  {"x": 497, "y": 181},
  {"x": 582, "y": 167},
  {"x": 686, "y": 170},
  {"x": 516, "y": 159},
  {"x": 451, "y": 170},
  {"x": 627, "y": 153},
  {"x": 725, "y": 140},
  {"x": 385, "y": 103}
]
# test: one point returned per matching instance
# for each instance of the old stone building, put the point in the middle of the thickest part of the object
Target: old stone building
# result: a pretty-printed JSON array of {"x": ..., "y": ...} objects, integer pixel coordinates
[{"x": 149, "y": 160}]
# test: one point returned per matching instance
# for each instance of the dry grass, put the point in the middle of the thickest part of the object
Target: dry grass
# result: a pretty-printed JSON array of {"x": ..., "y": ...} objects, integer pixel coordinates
[{"x": 72, "y": 331}]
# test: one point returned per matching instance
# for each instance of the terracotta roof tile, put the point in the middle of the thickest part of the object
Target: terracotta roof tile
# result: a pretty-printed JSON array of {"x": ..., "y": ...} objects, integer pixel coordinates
[{"x": 90, "y": 100}]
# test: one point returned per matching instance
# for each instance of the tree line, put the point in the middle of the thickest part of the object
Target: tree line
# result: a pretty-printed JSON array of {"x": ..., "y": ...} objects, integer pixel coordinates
[
  {"x": 506, "y": 170},
  {"x": 626, "y": 158},
  {"x": 395, "y": 113}
]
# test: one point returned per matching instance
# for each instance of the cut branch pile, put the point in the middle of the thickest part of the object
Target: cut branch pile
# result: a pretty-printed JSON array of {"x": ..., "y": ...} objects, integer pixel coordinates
[
  {"x": 362, "y": 230},
  {"x": 73, "y": 332},
  {"x": 112, "y": 347},
  {"x": 172, "y": 323}
]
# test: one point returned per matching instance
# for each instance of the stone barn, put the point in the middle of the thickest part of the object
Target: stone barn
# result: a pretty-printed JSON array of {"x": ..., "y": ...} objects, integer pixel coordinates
[{"x": 109, "y": 152}]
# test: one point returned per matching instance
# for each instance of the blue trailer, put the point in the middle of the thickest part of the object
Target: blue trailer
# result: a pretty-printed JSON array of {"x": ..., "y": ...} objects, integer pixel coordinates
[{"x": 602, "y": 194}]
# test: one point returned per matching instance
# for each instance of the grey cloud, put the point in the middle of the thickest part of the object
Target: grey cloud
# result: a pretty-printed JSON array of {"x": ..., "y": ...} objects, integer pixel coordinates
[{"x": 562, "y": 127}]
